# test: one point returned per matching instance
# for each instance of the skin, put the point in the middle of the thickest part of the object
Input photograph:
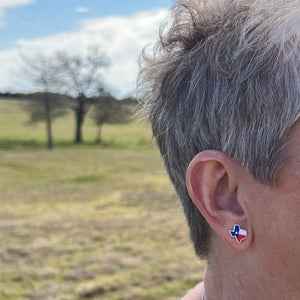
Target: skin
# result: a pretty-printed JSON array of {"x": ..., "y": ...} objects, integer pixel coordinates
[
  {"x": 266, "y": 265},
  {"x": 195, "y": 293}
]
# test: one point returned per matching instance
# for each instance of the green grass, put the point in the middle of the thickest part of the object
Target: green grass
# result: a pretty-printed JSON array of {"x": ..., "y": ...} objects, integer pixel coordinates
[
  {"x": 16, "y": 132},
  {"x": 88, "y": 221}
]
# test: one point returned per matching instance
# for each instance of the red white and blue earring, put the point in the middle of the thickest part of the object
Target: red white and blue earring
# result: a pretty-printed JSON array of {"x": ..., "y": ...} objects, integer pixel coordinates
[{"x": 238, "y": 233}]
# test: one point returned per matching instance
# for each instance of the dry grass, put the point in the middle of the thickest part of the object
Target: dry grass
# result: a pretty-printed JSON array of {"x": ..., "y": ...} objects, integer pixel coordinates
[{"x": 89, "y": 222}]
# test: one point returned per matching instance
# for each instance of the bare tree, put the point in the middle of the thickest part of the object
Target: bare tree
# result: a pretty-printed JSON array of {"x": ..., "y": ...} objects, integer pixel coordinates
[
  {"x": 108, "y": 110},
  {"x": 77, "y": 76},
  {"x": 80, "y": 77},
  {"x": 40, "y": 72},
  {"x": 45, "y": 106}
]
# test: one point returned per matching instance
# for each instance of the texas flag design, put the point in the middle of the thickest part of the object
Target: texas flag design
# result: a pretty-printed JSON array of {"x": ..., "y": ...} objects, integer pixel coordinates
[{"x": 238, "y": 233}]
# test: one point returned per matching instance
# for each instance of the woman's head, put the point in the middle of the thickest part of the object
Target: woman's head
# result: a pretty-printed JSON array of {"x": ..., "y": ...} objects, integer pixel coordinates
[{"x": 224, "y": 77}]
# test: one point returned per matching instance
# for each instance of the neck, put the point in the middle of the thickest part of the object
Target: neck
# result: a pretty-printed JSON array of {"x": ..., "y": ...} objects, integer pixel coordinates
[{"x": 236, "y": 276}]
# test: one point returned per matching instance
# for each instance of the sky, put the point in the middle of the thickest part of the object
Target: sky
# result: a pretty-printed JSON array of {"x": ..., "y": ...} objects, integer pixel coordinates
[{"x": 120, "y": 28}]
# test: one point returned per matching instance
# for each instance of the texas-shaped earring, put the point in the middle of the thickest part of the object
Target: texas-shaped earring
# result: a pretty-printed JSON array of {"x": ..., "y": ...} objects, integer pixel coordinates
[{"x": 238, "y": 233}]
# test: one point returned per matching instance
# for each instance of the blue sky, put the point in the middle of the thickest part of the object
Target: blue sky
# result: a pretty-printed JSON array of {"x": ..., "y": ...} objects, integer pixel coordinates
[
  {"x": 46, "y": 17},
  {"x": 120, "y": 28}
]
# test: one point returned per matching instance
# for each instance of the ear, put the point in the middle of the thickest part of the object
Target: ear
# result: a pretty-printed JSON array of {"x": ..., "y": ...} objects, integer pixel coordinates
[{"x": 215, "y": 183}]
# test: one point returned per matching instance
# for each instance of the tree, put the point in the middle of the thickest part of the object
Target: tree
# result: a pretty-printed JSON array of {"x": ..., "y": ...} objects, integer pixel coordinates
[
  {"x": 45, "y": 106},
  {"x": 108, "y": 110},
  {"x": 77, "y": 76},
  {"x": 80, "y": 77},
  {"x": 40, "y": 71}
]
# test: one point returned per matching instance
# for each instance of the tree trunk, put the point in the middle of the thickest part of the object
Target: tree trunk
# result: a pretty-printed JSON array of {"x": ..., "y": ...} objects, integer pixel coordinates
[
  {"x": 98, "y": 135},
  {"x": 48, "y": 123},
  {"x": 79, "y": 112}
]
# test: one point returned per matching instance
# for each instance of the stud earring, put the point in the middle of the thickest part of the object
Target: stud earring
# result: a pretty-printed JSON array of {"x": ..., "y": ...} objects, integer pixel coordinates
[{"x": 238, "y": 233}]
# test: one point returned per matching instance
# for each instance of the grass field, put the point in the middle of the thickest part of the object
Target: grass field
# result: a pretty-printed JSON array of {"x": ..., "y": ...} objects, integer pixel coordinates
[{"x": 88, "y": 221}]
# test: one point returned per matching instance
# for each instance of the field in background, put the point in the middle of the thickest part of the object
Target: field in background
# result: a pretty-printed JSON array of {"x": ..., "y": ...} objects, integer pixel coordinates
[{"x": 88, "y": 221}]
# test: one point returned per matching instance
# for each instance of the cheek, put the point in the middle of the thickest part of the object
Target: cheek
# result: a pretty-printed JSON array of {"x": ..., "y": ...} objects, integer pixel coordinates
[
  {"x": 288, "y": 239},
  {"x": 288, "y": 212},
  {"x": 282, "y": 228},
  {"x": 276, "y": 219},
  {"x": 288, "y": 202}
]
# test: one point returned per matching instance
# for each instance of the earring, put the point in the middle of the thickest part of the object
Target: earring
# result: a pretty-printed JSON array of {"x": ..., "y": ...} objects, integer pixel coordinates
[{"x": 238, "y": 233}]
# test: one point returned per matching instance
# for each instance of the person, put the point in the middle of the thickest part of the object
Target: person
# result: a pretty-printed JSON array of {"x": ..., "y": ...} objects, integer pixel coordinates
[{"x": 222, "y": 90}]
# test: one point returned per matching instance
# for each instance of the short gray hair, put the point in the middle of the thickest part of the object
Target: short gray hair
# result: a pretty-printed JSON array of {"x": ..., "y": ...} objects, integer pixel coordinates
[{"x": 224, "y": 76}]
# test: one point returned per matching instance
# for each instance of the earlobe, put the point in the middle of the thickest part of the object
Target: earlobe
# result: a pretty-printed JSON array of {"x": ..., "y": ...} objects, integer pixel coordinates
[{"x": 213, "y": 182}]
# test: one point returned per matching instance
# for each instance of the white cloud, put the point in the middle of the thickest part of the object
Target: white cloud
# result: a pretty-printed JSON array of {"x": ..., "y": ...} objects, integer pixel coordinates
[
  {"x": 121, "y": 38},
  {"x": 14, "y": 3},
  {"x": 5, "y": 4},
  {"x": 82, "y": 9}
]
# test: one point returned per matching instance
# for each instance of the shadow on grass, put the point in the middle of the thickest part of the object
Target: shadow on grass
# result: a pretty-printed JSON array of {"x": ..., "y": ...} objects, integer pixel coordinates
[
  {"x": 35, "y": 144},
  {"x": 12, "y": 143}
]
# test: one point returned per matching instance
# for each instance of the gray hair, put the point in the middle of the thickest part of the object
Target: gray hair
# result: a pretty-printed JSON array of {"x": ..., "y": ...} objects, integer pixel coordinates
[{"x": 224, "y": 76}]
